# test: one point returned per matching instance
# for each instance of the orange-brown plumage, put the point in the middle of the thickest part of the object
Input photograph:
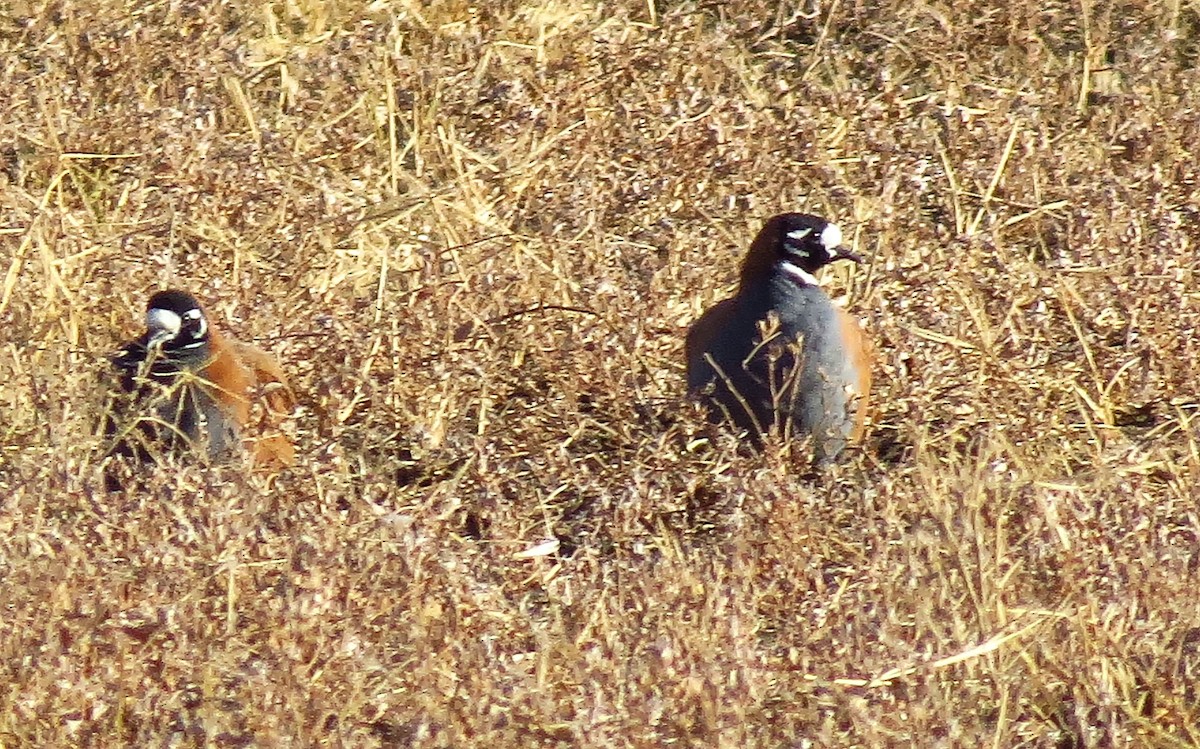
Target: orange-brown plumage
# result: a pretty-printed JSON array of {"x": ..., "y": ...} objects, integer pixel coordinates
[{"x": 864, "y": 353}]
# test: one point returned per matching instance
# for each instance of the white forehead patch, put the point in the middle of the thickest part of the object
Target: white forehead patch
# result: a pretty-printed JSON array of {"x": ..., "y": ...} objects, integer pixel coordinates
[
  {"x": 163, "y": 321},
  {"x": 831, "y": 236}
]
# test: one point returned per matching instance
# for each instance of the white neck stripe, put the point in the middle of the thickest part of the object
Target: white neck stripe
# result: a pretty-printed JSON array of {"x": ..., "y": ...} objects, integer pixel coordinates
[{"x": 798, "y": 273}]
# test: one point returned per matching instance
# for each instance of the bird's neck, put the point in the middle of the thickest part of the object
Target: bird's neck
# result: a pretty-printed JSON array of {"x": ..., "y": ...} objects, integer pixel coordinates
[
  {"x": 796, "y": 274},
  {"x": 185, "y": 354},
  {"x": 763, "y": 263}
]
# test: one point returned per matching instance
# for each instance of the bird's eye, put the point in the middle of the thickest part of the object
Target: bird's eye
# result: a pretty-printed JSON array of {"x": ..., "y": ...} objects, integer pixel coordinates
[
  {"x": 195, "y": 319},
  {"x": 794, "y": 242}
]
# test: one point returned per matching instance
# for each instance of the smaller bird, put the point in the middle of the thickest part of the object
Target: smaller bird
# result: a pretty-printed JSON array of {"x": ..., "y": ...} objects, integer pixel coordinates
[
  {"x": 779, "y": 355},
  {"x": 185, "y": 387}
]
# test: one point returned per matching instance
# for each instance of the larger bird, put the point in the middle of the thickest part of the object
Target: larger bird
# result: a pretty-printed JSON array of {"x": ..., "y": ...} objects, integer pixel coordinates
[
  {"x": 780, "y": 355},
  {"x": 185, "y": 387}
]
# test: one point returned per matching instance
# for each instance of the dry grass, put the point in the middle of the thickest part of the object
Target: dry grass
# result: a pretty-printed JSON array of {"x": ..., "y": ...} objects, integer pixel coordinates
[{"x": 476, "y": 234}]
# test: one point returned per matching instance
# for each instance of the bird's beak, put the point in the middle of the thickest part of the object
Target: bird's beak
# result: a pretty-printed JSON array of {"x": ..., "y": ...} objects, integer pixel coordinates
[
  {"x": 831, "y": 240},
  {"x": 158, "y": 338},
  {"x": 845, "y": 253},
  {"x": 163, "y": 326}
]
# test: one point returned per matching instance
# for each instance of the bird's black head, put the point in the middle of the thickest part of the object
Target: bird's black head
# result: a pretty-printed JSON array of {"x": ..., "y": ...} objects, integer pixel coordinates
[
  {"x": 175, "y": 322},
  {"x": 796, "y": 244},
  {"x": 808, "y": 242}
]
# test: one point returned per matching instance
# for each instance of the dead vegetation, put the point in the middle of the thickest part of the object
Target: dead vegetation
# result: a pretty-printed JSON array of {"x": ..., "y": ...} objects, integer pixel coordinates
[{"x": 476, "y": 234}]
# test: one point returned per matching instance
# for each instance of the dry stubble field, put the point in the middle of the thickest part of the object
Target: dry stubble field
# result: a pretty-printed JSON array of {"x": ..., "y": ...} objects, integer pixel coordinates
[{"x": 476, "y": 234}]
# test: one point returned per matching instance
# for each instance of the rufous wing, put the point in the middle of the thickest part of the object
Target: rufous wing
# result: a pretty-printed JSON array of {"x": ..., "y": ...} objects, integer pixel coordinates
[{"x": 269, "y": 448}]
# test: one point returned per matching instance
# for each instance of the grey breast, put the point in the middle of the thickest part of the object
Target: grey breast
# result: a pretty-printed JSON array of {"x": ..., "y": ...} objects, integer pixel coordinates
[
  {"x": 823, "y": 379},
  {"x": 797, "y": 382},
  {"x": 181, "y": 409}
]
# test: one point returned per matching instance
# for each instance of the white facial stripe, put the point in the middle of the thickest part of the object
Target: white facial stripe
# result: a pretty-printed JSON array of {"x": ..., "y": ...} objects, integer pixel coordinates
[
  {"x": 801, "y": 275},
  {"x": 163, "y": 321},
  {"x": 195, "y": 314},
  {"x": 795, "y": 246},
  {"x": 831, "y": 236}
]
